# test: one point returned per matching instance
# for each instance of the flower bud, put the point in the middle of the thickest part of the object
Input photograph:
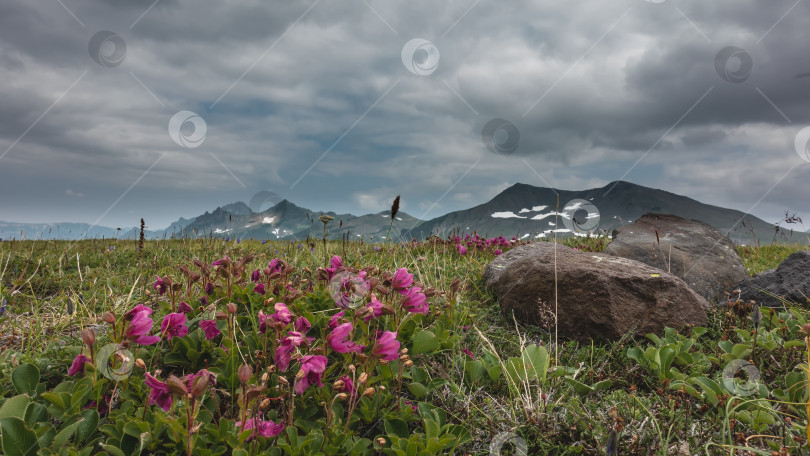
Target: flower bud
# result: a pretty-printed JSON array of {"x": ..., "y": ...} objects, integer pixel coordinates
[
  {"x": 342, "y": 396},
  {"x": 352, "y": 368},
  {"x": 109, "y": 317},
  {"x": 339, "y": 385},
  {"x": 284, "y": 381},
  {"x": 408, "y": 363},
  {"x": 176, "y": 386},
  {"x": 200, "y": 385},
  {"x": 806, "y": 329},
  {"x": 271, "y": 369},
  {"x": 404, "y": 351},
  {"x": 221, "y": 316},
  {"x": 88, "y": 337},
  {"x": 301, "y": 374},
  {"x": 231, "y": 308},
  {"x": 381, "y": 441},
  {"x": 264, "y": 404},
  {"x": 369, "y": 392},
  {"x": 245, "y": 372},
  {"x": 140, "y": 364},
  {"x": 363, "y": 378},
  {"x": 265, "y": 377}
]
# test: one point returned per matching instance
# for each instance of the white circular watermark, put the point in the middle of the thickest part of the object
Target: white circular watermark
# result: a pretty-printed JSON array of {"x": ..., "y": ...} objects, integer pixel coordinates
[
  {"x": 420, "y": 57},
  {"x": 511, "y": 438},
  {"x": 107, "y": 49},
  {"x": 196, "y": 137},
  {"x": 581, "y": 216},
  {"x": 802, "y": 144},
  {"x": 736, "y": 386},
  {"x": 348, "y": 289},
  {"x": 263, "y": 198},
  {"x": 115, "y": 362},
  {"x": 733, "y": 64},
  {"x": 500, "y": 136}
]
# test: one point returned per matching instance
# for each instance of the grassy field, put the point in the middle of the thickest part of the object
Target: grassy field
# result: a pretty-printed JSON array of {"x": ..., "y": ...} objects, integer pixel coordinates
[{"x": 473, "y": 379}]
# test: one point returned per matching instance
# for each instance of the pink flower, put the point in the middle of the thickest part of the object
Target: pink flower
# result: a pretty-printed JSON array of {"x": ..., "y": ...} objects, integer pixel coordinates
[
  {"x": 339, "y": 339},
  {"x": 263, "y": 428},
  {"x": 302, "y": 325},
  {"x": 209, "y": 289},
  {"x": 312, "y": 366},
  {"x": 275, "y": 265},
  {"x": 333, "y": 322},
  {"x": 461, "y": 249},
  {"x": 160, "y": 285},
  {"x": 263, "y": 322},
  {"x": 401, "y": 280},
  {"x": 497, "y": 252},
  {"x": 387, "y": 346},
  {"x": 184, "y": 307},
  {"x": 78, "y": 364},
  {"x": 174, "y": 325},
  {"x": 415, "y": 301},
  {"x": 467, "y": 352},
  {"x": 376, "y": 308},
  {"x": 160, "y": 393},
  {"x": 140, "y": 326},
  {"x": 259, "y": 288},
  {"x": 140, "y": 308},
  {"x": 256, "y": 276},
  {"x": 337, "y": 263},
  {"x": 348, "y": 386},
  {"x": 286, "y": 347},
  {"x": 210, "y": 328},
  {"x": 283, "y": 314},
  {"x": 212, "y": 378},
  {"x": 224, "y": 260}
]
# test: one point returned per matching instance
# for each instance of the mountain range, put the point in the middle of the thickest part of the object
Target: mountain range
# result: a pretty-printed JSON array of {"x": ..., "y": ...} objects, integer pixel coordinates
[{"x": 522, "y": 210}]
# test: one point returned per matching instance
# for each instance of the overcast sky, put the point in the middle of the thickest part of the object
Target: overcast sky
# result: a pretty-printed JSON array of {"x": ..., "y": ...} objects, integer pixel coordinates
[{"x": 342, "y": 105}]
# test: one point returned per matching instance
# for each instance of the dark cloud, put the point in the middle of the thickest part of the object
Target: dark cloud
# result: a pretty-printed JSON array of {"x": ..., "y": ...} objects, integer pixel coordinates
[{"x": 592, "y": 87}]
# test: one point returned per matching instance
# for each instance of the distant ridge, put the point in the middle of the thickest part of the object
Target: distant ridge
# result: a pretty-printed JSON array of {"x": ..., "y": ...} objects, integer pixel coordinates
[{"x": 521, "y": 210}]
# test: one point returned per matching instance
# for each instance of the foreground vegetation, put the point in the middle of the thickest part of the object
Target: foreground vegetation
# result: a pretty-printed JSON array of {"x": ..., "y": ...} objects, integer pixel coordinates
[{"x": 227, "y": 347}]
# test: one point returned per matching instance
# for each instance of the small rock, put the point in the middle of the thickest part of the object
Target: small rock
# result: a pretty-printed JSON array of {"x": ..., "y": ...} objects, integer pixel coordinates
[{"x": 790, "y": 281}]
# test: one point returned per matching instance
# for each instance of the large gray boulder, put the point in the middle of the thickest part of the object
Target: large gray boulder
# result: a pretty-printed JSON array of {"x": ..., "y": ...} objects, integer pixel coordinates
[
  {"x": 790, "y": 281},
  {"x": 599, "y": 296},
  {"x": 692, "y": 250}
]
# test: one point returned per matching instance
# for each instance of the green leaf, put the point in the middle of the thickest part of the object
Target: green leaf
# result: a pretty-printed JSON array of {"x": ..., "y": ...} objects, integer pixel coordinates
[
  {"x": 113, "y": 450},
  {"x": 474, "y": 370},
  {"x": 580, "y": 388},
  {"x": 397, "y": 427},
  {"x": 636, "y": 355},
  {"x": 18, "y": 440},
  {"x": 65, "y": 434},
  {"x": 418, "y": 390},
  {"x": 424, "y": 342},
  {"x": 87, "y": 427},
  {"x": 15, "y": 407},
  {"x": 54, "y": 399},
  {"x": 536, "y": 362},
  {"x": 460, "y": 434},
  {"x": 25, "y": 378},
  {"x": 36, "y": 413}
]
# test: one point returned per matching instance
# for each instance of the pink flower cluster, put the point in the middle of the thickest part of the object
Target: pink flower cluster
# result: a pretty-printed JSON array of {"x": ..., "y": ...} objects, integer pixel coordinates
[{"x": 476, "y": 242}]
